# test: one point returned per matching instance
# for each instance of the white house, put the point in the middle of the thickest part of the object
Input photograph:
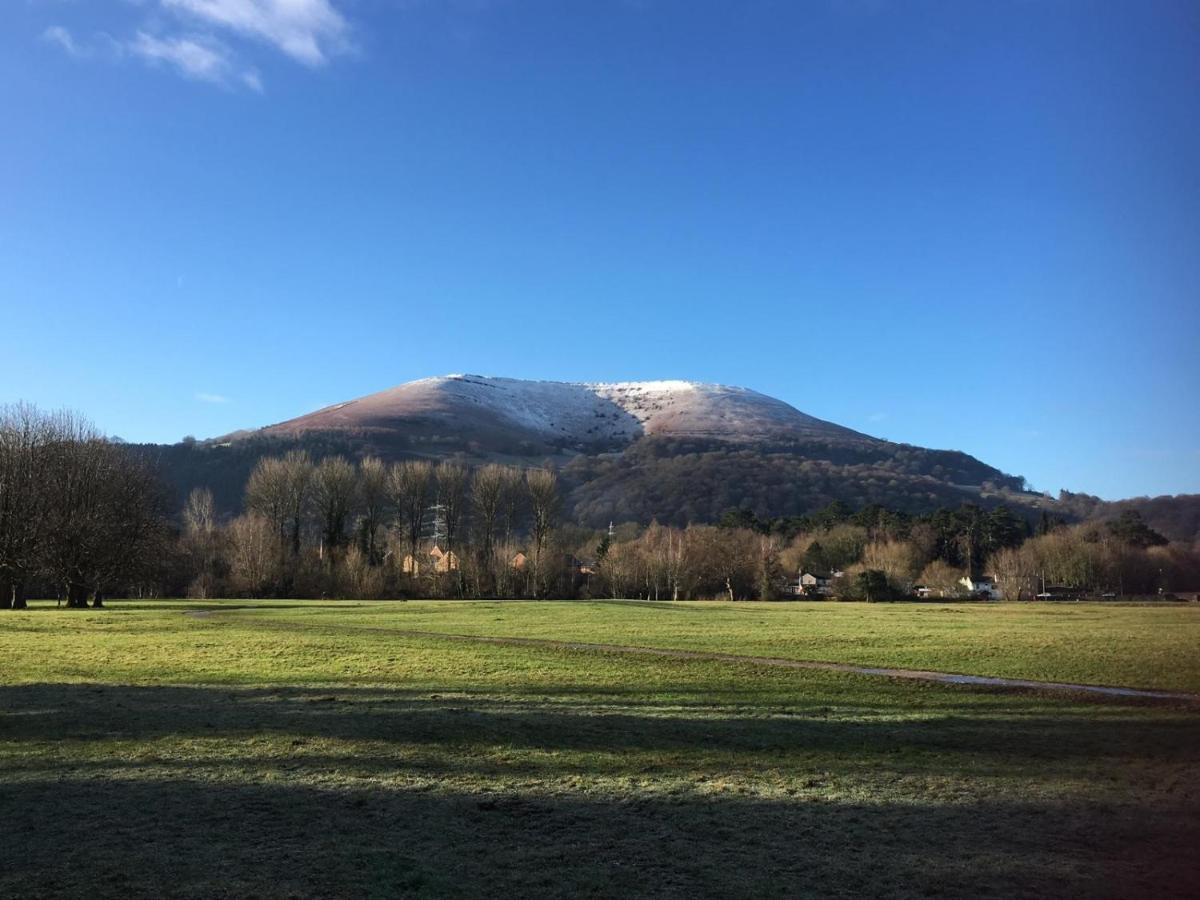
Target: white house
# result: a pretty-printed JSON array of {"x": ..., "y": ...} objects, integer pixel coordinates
[{"x": 984, "y": 587}]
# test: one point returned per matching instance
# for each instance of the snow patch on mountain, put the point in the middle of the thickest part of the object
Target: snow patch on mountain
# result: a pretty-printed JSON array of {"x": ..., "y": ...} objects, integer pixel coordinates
[
  {"x": 571, "y": 413},
  {"x": 615, "y": 410}
]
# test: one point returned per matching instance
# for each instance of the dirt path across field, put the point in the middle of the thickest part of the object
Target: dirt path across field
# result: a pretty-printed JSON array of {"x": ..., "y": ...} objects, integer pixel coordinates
[
  {"x": 915, "y": 674},
  {"x": 1022, "y": 684}
]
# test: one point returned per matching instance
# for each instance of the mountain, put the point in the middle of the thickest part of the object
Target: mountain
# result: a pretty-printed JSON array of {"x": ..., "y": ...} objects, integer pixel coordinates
[
  {"x": 677, "y": 451},
  {"x": 507, "y": 415}
]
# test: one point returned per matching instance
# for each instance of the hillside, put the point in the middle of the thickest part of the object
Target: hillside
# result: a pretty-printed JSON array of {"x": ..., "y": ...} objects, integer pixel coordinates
[
  {"x": 508, "y": 415},
  {"x": 677, "y": 451},
  {"x": 1176, "y": 517}
]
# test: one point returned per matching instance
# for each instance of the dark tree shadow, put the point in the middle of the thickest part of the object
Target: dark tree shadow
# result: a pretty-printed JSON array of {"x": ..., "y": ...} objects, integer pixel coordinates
[
  {"x": 1003, "y": 731},
  {"x": 186, "y": 838},
  {"x": 372, "y": 819}
]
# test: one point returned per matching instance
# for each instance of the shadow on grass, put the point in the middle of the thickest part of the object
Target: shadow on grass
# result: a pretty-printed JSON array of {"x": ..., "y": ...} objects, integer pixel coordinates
[
  {"x": 998, "y": 731},
  {"x": 318, "y": 796},
  {"x": 180, "y": 837}
]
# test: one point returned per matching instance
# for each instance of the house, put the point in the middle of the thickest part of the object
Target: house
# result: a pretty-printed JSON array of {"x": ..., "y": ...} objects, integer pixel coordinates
[
  {"x": 922, "y": 591},
  {"x": 443, "y": 561},
  {"x": 984, "y": 587},
  {"x": 578, "y": 566},
  {"x": 439, "y": 559},
  {"x": 813, "y": 584},
  {"x": 518, "y": 561}
]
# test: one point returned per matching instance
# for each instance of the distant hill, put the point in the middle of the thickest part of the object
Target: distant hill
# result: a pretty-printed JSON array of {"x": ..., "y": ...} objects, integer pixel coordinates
[
  {"x": 510, "y": 416},
  {"x": 677, "y": 451}
]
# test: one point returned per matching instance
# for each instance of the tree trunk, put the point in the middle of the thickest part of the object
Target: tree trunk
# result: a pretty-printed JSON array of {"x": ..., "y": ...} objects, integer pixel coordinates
[
  {"x": 17, "y": 596},
  {"x": 8, "y": 594},
  {"x": 98, "y": 600},
  {"x": 77, "y": 596}
]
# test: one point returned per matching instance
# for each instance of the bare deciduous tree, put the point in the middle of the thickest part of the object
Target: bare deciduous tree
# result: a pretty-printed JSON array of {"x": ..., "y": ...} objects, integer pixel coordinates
[
  {"x": 410, "y": 486},
  {"x": 512, "y": 501},
  {"x": 199, "y": 515},
  {"x": 279, "y": 491},
  {"x": 201, "y": 542},
  {"x": 544, "y": 503},
  {"x": 452, "y": 482},
  {"x": 24, "y": 437},
  {"x": 334, "y": 488},
  {"x": 254, "y": 554},
  {"x": 298, "y": 472},
  {"x": 373, "y": 500},
  {"x": 267, "y": 494},
  {"x": 942, "y": 579},
  {"x": 896, "y": 559},
  {"x": 105, "y": 514},
  {"x": 487, "y": 491},
  {"x": 620, "y": 567},
  {"x": 770, "y": 570}
]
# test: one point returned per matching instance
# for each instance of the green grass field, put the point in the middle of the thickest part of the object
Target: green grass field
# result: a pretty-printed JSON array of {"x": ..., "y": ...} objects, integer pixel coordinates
[{"x": 330, "y": 749}]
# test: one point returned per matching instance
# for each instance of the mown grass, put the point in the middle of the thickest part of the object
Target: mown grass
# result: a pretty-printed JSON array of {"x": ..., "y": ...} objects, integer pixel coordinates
[
  {"x": 1147, "y": 646},
  {"x": 325, "y": 750}
]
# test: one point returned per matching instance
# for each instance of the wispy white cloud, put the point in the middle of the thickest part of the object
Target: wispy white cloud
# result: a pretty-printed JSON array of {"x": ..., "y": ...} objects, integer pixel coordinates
[
  {"x": 59, "y": 36},
  {"x": 194, "y": 37},
  {"x": 251, "y": 79},
  {"x": 309, "y": 31},
  {"x": 193, "y": 57},
  {"x": 211, "y": 398},
  {"x": 100, "y": 46}
]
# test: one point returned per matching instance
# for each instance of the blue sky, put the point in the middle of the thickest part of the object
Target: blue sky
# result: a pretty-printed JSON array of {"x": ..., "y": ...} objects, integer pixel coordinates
[{"x": 961, "y": 224}]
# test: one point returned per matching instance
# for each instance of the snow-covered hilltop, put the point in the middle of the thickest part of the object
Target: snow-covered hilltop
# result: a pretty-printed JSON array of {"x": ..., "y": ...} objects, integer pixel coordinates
[
  {"x": 565, "y": 413},
  {"x": 675, "y": 451}
]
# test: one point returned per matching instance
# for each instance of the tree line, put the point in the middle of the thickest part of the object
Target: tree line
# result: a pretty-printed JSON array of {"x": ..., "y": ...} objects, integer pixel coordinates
[
  {"x": 877, "y": 554},
  {"x": 334, "y": 528},
  {"x": 373, "y": 529},
  {"x": 82, "y": 517}
]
